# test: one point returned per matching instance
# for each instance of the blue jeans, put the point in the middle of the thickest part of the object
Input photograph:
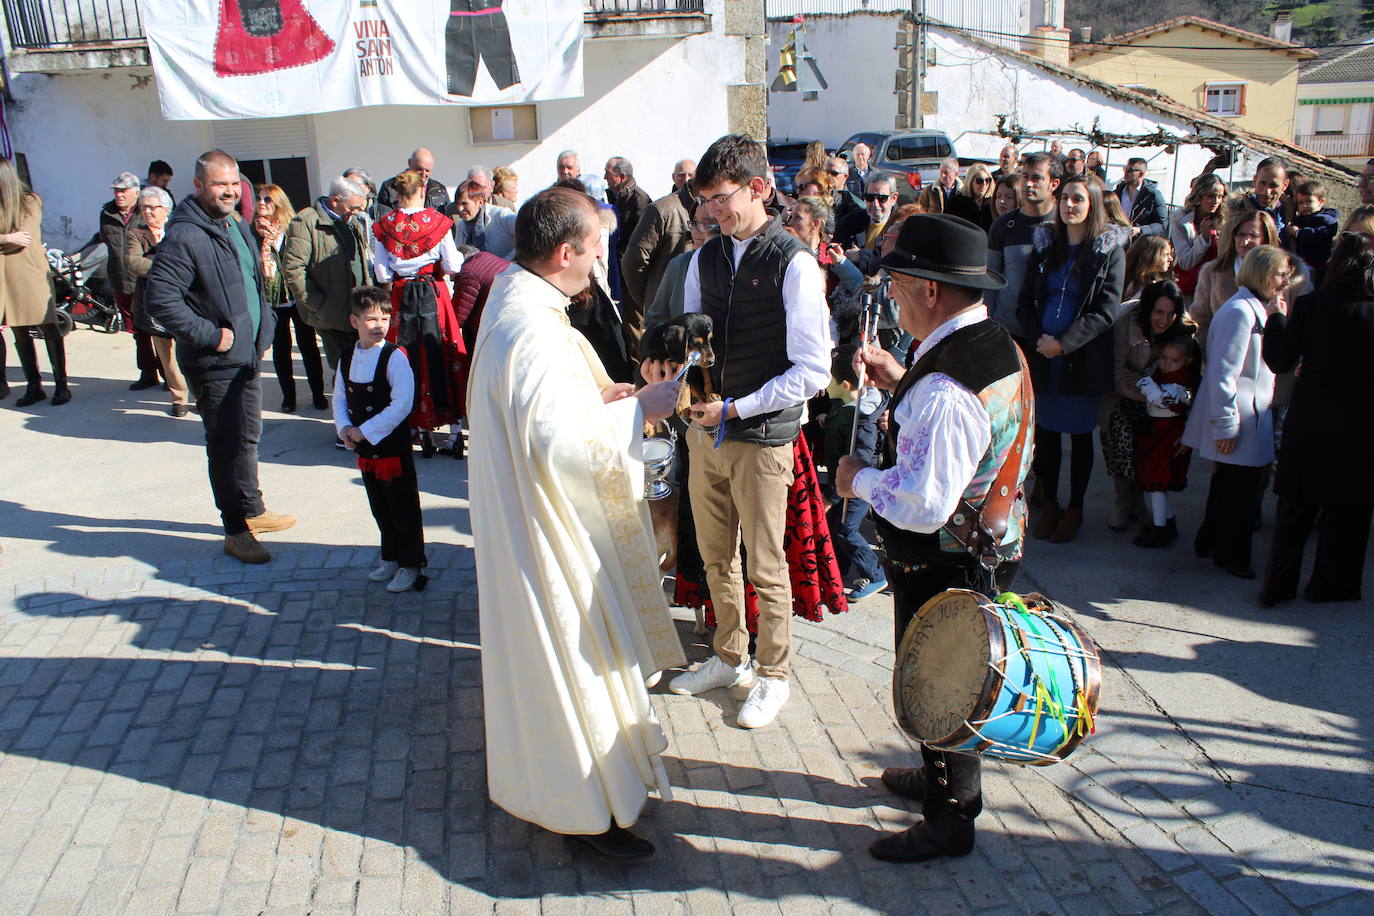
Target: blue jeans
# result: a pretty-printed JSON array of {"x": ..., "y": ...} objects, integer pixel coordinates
[{"x": 853, "y": 552}]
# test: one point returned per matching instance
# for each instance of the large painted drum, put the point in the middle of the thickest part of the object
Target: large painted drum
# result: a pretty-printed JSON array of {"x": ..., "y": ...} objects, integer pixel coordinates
[{"x": 1001, "y": 678}]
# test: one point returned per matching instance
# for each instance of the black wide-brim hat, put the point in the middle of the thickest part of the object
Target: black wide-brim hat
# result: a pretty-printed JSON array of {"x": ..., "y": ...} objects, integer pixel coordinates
[{"x": 946, "y": 248}]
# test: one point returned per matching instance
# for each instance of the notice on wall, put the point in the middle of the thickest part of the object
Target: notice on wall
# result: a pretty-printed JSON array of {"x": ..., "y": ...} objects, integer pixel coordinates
[
  {"x": 272, "y": 58},
  {"x": 502, "y": 124}
]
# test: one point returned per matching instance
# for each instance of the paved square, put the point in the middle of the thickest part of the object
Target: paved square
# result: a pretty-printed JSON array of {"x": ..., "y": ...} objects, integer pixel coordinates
[{"x": 181, "y": 733}]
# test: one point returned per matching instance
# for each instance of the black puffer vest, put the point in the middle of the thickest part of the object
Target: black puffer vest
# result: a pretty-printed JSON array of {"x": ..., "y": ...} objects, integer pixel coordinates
[{"x": 750, "y": 326}]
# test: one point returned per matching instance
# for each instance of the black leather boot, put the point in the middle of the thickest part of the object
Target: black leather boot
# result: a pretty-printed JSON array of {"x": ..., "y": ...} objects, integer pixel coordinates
[
  {"x": 908, "y": 782},
  {"x": 953, "y": 799},
  {"x": 57, "y": 358}
]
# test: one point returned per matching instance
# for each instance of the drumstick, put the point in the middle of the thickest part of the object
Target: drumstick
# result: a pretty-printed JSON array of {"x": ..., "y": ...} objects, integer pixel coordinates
[{"x": 858, "y": 392}]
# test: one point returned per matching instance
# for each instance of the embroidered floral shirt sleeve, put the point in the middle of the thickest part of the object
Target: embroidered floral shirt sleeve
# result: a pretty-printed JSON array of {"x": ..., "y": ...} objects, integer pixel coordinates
[{"x": 944, "y": 433}]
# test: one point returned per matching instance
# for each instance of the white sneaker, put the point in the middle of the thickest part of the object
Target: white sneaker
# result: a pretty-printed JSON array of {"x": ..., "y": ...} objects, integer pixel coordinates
[
  {"x": 711, "y": 674},
  {"x": 404, "y": 579},
  {"x": 764, "y": 702},
  {"x": 383, "y": 571}
]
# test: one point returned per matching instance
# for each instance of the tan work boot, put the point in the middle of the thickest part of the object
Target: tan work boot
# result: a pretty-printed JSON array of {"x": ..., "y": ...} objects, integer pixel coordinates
[
  {"x": 270, "y": 521},
  {"x": 245, "y": 548}
]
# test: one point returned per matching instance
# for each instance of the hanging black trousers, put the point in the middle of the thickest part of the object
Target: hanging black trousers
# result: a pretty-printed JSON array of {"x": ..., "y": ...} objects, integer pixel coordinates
[{"x": 477, "y": 32}]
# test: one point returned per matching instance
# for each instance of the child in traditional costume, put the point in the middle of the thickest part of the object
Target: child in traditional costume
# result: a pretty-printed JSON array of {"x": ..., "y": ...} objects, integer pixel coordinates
[{"x": 374, "y": 390}]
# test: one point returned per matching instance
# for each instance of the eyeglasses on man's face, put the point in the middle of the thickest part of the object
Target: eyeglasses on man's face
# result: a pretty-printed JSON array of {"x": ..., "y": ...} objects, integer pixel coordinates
[
  {"x": 873, "y": 196},
  {"x": 719, "y": 198}
]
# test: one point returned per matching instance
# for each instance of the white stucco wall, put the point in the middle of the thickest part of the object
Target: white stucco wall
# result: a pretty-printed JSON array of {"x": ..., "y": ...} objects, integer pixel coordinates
[
  {"x": 857, "y": 55},
  {"x": 652, "y": 100},
  {"x": 79, "y": 131}
]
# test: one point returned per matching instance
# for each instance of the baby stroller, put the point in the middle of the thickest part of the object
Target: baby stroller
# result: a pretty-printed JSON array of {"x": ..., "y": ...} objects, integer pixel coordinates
[{"x": 78, "y": 280}]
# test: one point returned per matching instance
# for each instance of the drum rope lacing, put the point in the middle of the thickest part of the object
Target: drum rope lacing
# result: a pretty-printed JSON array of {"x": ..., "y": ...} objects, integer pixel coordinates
[{"x": 1044, "y": 698}]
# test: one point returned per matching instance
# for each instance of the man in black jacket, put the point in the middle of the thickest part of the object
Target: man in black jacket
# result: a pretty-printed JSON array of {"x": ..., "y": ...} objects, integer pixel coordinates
[
  {"x": 206, "y": 289},
  {"x": 1141, "y": 201},
  {"x": 436, "y": 195},
  {"x": 117, "y": 217}
]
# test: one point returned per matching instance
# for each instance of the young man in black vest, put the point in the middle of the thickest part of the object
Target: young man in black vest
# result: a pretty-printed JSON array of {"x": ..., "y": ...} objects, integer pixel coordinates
[
  {"x": 955, "y": 419},
  {"x": 765, "y": 294}
]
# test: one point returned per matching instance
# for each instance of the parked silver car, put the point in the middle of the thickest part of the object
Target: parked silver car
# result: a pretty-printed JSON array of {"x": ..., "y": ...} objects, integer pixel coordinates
[{"x": 915, "y": 153}]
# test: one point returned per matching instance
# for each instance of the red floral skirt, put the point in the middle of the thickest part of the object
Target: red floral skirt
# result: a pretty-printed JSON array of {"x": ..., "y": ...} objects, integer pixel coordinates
[
  {"x": 817, "y": 584},
  {"x": 428, "y": 414}
]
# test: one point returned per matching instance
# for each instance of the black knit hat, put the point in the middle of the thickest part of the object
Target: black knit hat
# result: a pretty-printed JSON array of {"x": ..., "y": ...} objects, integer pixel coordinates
[{"x": 946, "y": 248}]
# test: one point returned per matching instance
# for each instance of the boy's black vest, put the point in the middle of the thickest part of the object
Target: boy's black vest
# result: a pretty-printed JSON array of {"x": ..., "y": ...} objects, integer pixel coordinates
[
  {"x": 749, "y": 326},
  {"x": 982, "y": 357},
  {"x": 367, "y": 399}
]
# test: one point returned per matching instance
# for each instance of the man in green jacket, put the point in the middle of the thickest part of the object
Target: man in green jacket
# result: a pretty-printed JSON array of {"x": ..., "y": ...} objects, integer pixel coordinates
[{"x": 324, "y": 259}]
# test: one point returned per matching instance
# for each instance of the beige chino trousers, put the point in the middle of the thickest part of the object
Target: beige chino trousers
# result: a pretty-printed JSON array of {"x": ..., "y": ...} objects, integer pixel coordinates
[{"x": 741, "y": 488}]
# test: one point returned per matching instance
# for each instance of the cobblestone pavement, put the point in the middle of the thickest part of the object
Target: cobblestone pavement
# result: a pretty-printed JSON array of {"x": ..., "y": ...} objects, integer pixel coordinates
[{"x": 181, "y": 733}]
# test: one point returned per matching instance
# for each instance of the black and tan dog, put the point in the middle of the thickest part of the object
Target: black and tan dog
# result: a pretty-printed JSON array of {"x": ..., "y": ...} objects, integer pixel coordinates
[{"x": 671, "y": 342}]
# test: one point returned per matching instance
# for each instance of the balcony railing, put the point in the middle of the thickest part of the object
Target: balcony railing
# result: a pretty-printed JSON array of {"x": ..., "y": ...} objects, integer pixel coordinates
[
  {"x": 1338, "y": 145},
  {"x": 644, "y": 7},
  {"x": 75, "y": 24},
  {"x": 41, "y": 24}
]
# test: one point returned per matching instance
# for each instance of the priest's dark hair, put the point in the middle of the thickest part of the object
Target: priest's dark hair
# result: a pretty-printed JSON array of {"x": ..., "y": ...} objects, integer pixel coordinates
[
  {"x": 547, "y": 220},
  {"x": 735, "y": 158}
]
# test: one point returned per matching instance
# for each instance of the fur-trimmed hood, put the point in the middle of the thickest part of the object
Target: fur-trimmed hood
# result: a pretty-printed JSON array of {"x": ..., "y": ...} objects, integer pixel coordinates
[{"x": 1113, "y": 236}]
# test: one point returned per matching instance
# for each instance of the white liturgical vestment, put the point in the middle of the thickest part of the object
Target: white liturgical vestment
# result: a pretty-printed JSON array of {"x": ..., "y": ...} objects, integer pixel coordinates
[{"x": 572, "y": 609}]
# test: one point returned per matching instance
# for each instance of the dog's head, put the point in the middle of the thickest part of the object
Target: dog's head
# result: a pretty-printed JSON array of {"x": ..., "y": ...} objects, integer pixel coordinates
[
  {"x": 673, "y": 340},
  {"x": 697, "y": 331}
]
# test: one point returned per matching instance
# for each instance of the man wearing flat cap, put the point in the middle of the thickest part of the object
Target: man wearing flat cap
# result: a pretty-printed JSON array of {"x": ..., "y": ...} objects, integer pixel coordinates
[
  {"x": 117, "y": 217},
  {"x": 947, "y": 498}
]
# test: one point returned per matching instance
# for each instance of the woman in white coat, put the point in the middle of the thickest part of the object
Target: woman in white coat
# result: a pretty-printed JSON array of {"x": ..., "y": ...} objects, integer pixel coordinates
[
  {"x": 1231, "y": 423},
  {"x": 1195, "y": 229}
]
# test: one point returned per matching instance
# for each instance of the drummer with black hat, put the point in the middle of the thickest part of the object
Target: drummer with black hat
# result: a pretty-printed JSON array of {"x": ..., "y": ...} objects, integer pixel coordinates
[{"x": 947, "y": 498}]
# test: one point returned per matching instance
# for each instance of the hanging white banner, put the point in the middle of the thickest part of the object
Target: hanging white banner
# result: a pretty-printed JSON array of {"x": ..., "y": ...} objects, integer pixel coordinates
[{"x": 270, "y": 58}]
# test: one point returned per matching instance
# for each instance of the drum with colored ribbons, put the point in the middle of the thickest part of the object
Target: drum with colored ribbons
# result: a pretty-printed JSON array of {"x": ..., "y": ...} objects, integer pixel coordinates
[{"x": 1001, "y": 678}]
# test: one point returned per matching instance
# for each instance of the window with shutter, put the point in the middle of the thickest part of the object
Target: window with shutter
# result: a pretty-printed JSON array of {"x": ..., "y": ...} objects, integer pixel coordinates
[{"x": 1226, "y": 100}]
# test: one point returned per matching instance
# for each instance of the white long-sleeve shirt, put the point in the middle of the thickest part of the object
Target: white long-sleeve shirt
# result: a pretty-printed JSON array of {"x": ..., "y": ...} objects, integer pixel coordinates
[
  {"x": 363, "y": 370},
  {"x": 944, "y": 433},
  {"x": 388, "y": 266},
  {"x": 808, "y": 332}
]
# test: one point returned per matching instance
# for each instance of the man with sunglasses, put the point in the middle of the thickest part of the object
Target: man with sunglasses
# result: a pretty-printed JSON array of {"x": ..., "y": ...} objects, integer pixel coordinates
[
  {"x": 1141, "y": 200},
  {"x": 765, "y": 295},
  {"x": 879, "y": 201},
  {"x": 845, "y": 202},
  {"x": 324, "y": 258}
]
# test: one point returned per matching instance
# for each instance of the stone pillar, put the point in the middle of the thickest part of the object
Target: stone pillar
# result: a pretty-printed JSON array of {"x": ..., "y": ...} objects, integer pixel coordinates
[{"x": 748, "y": 101}]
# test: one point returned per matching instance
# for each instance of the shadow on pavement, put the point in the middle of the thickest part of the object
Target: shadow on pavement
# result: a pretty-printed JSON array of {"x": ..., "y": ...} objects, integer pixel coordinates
[{"x": 334, "y": 706}]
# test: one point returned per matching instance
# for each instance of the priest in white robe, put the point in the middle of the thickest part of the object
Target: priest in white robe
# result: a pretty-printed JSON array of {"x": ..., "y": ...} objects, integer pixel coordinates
[{"x": 572, "y": 609}]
